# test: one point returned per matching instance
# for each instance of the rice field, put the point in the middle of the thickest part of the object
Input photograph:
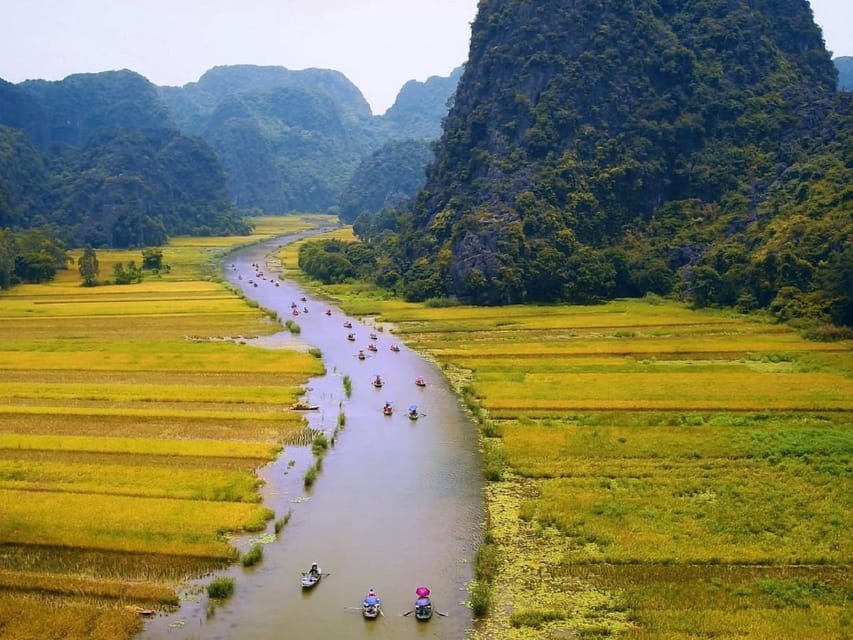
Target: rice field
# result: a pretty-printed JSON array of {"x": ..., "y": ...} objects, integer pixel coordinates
[
  {"x": 133, "y": 419},
  {"x": 657, "y": 472}
]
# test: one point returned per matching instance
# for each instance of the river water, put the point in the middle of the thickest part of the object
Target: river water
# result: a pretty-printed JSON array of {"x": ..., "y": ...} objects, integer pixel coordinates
[{"x": 397, "y": 505}]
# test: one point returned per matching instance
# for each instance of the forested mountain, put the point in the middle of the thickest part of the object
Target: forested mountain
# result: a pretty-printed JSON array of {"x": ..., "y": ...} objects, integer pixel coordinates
[
  {"x": 602, "y": 149},
  {"x": 98, "y": 157},
  {"x": 389, "y": 177},
  {"x": 420, "y": 107},
  {"x": 291, "y": 140},
  {"x": 844, "y": 65}
]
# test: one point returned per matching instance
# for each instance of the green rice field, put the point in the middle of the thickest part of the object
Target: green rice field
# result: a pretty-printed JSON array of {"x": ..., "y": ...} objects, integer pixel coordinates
[
  {"x": 133, "y": 420},
  {"x": 656, "y": 472}
]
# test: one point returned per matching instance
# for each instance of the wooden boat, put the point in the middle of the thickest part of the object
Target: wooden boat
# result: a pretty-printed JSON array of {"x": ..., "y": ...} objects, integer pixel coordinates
[
  {"x": 372, "y": 606},
  {"x": 419, "y": 381},
  {"x": 378, "y": 382},
  {"x": 413, "y": 413},
  {"x": 395, "y": 348},
  {"x": 311, "y": 578},
  {"x": 387, "y": 409},
  {"x": 328, "y": 311},
  {"x": 304, "y": 406},
  {"x": 423, "y": 608},
  {"x": 348, "y": 324},
  {"x": 361, "y": 355},
  {"x": 351, "y": 337},
  {"x": 371, "y": 347},
  {"x": 373, "y": 336}
]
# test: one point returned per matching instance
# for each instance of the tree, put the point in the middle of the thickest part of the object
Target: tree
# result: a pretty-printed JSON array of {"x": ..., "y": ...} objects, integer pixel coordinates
[
  {"x": 152, "y": 259},
  {"x": 87, "y": 264}
]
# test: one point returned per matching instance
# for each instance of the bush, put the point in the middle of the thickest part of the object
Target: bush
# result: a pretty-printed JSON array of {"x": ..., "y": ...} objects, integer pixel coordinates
[
  {"x": 220, "y": 588},
  {"x": 253, "y": 556}
]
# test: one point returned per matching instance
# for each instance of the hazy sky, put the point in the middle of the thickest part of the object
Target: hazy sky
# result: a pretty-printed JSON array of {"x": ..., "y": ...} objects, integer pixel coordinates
[{"x": 377, "y": 44}]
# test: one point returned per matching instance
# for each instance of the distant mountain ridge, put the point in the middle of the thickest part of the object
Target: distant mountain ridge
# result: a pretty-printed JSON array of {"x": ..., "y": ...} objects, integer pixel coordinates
[{"x": 292, "y": 140}]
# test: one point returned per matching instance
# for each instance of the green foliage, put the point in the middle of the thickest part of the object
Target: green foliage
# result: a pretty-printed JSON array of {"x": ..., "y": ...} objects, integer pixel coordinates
[
  {"x": 319, "y": 444},
  {"x": 220, "y": 588},
  {"x": 696, "y": 150},
  {"x": 126, "y": 274},
  {"x": 253, "y": 556},
  {"x": 152, "y": 259},
  {"x": 87, "y": 264}
]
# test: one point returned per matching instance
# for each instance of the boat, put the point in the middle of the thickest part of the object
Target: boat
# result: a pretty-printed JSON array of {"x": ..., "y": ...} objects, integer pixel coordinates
[
  {"x": 304, "y": 406},
  {"x": 348, "y": 325},
  {"x": 311, "y": 577},
  {"x": 328, "y": 312},
  {"x": 419, "y": 381},
  {"x": 377, "y": 382},
  {"x": 413, "y": 412},
  {"x": 371, "y": 607},
  {"x": 387, "y": 409},
  {"x": 423, "y": 608},
  {"x": 351, "y": 337},
  {"x": 372, "y": 347},
  {"x": 395, "y": 348},
  {"x": 361, "y": 355},
  {"x": 373, "y": 336}
]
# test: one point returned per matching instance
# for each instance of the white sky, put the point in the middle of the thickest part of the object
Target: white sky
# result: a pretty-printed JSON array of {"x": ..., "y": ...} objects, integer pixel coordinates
[{"x": 377, "y": 44}]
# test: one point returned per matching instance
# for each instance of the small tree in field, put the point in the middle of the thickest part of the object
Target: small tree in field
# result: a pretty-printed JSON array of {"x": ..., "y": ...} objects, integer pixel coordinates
[
  {"x": 87, "y": 264},
  {"x": 152, "y": 259}
]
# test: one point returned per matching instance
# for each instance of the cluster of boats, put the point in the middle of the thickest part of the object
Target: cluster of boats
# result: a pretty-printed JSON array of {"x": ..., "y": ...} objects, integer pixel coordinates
[{"x": 371, "y": 605}]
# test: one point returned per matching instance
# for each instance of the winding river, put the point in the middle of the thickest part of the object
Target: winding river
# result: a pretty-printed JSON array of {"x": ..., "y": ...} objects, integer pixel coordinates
[{"x": 397, "y": 505}]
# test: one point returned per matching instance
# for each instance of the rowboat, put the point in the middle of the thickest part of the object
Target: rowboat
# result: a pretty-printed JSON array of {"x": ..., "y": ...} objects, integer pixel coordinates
[
  {"x": 423, "y": 608},
  {"x": 395, "y": 348},
  {"x": 304, "y": 406},
  {"x": 311, "y": 577},
  {"x": 387, "y": 409},
  {"x": 371, "y": 347},
  {"x": 348, "y": 324},
  {"x": 371, "y": 607},
  {"x": 419, "y": 381},
  {"x": 351, "y": 337},
  {"x": 377, "y": 382},
  {"x": 413, "y": 412}
]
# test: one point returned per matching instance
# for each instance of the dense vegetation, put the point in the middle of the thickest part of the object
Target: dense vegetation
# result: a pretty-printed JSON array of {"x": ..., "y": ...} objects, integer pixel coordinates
[
  {"x": 844, "y": 64},
  {"x": 97, "y": 157},
  {"x": 291, "y": 140},
  {"x": 697, "y": 149},
  {"x": 389, "y": 177}
]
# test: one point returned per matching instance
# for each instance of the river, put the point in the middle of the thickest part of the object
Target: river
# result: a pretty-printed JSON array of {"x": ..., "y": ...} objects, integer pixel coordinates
[{"x": 398, "y": 503}]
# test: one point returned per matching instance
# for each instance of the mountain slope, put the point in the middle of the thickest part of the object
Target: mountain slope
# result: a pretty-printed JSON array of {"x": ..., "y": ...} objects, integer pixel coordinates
[{"x": 598, "y": 149}]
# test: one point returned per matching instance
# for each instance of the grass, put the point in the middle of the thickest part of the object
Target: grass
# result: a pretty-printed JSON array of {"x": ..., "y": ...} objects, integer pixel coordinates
[
  {"x": 132, "y": 421},
  {"x": 655, "y": 471}
]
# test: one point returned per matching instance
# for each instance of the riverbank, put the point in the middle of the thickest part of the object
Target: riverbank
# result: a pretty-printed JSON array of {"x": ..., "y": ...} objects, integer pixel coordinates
[{"x": 656, "y": 471}]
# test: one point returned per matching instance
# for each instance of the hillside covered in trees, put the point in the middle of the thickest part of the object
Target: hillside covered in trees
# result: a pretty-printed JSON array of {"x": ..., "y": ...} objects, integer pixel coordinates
[
  {"x": 616, "y": 149},
  {"x": 98, "y": 158},
  {"x": 292, "y": 140}
]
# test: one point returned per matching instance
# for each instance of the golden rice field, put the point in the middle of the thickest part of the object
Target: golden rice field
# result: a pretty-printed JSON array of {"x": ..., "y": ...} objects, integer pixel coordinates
[
  {"x": 133, "y": 420},
  {"x": 657, "y": 472}
]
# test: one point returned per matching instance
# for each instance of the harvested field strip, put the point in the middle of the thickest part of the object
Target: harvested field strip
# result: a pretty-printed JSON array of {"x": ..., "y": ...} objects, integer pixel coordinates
[
  {"x": 156, "y": 568},
  {"x": 719, "y": 511},
  {"x": 566, "y": 449},
  {"x": 788, "y": 603},
  {"x": 160, "y": 327},
  {"x": 142, "y": 525},
  {"x": 54, "y": 456},
  {"x": 280, "y": 428},
  {"x": 718, "y": 390},
  {"x": 275, "y": 414},
  {"x": 57, "y": 584},
  {"x": 24, "y": 616},
  {"x": 138, "y": 446},
  {"x": 177, "y": 378},
  {"x": 141, "y": 479},
  {"x": 189, "y": 357},
  {"x": 218, "y": 394}
]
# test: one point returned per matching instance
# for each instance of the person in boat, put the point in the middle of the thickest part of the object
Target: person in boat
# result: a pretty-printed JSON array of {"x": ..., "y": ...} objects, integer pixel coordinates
[
  {"x": 413, "y": 412},
  {"x": 378, "y": 380},
  {"x": 314, "y": 571}
]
